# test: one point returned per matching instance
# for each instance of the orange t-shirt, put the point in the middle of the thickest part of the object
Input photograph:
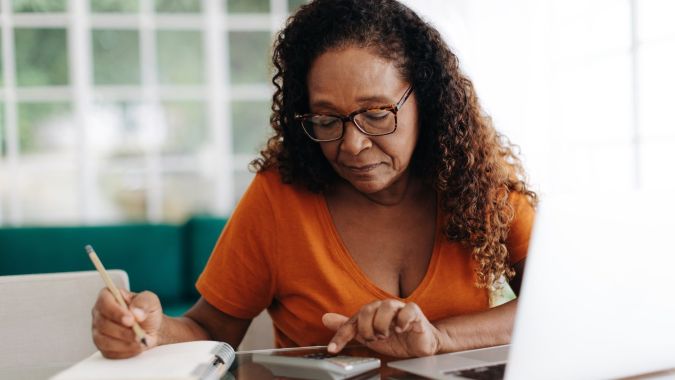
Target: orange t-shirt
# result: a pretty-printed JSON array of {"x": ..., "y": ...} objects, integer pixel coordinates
[{"x": 280, "y": 250}]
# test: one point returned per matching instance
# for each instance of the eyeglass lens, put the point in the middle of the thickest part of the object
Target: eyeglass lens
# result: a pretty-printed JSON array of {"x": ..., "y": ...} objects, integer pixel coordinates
[{"x": 371, "y": 122}]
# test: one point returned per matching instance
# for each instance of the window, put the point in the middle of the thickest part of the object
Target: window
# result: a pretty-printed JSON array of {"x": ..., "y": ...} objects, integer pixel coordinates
[
  {"x": 122, "y": 110},
  {"x": 584, "y": 87}
]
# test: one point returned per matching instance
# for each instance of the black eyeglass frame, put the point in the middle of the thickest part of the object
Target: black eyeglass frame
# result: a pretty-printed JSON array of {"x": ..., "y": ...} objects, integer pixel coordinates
[{"x": 393, "y": 108}]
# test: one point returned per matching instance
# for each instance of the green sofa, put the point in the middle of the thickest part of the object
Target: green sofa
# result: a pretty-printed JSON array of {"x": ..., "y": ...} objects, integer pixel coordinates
[{"x": 163, "y": 258}]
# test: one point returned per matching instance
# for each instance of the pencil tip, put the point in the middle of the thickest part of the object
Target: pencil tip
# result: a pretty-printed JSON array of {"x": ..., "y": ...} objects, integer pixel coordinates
[
  {"x": 145, "y": 342},
  {"x": 88, "y": 248}
]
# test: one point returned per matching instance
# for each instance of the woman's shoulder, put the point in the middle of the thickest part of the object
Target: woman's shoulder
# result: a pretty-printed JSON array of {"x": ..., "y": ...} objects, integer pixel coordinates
[
  {"x": 518, "y": 240},
  {"x": 270, "y": 181},
  {"x": 523, "y": 204}
]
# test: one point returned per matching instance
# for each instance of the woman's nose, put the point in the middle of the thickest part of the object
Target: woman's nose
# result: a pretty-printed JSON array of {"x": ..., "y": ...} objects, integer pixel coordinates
[{"x": 353, "y": 140}]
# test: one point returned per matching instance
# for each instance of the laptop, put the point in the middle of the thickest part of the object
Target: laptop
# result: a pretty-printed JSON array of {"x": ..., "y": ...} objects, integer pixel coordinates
[{"x": 597, "y": 300}]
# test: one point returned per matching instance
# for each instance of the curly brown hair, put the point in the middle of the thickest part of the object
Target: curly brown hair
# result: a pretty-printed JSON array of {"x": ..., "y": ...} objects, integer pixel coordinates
[{"x": 471, "y": 166}]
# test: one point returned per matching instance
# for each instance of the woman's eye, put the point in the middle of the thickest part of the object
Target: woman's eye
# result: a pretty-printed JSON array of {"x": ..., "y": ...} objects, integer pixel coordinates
[
  {"x": 376, "y": 115},
  {"x": 325, "y": 122}
]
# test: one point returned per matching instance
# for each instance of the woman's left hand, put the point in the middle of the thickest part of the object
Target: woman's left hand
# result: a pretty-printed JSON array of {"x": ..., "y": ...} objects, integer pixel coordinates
[{"x": 389, "y": 327}]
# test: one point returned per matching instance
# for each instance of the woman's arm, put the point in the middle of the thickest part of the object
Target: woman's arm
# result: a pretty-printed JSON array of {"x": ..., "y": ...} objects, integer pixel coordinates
[
  {"x": 112, "y": 333},
  {"x": 483, "y": 329},
  {"x": 399, "y": 329},
  {"x": 487, "y": 328},
  {"x": 201, "y": 322},
  {"x": 394, "y": 328}
]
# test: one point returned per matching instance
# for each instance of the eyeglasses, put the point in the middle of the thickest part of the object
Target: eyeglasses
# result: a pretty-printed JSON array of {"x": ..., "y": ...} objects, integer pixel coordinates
[{"x": 375, "y": 121}]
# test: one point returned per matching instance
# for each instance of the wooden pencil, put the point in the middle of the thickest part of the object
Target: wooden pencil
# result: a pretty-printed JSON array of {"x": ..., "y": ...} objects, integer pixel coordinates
[{"x": 140, "y": 334}]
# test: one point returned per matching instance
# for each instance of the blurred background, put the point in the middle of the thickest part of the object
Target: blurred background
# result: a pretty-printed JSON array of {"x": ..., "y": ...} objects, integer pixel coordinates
[{"x": 150, "y": 110}]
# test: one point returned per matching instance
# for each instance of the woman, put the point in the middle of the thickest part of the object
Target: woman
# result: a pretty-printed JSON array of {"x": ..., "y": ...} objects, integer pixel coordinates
[{"x": 384, "y": 209}]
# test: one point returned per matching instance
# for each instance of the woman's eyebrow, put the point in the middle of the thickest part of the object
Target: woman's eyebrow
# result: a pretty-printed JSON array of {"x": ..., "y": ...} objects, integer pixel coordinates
[
  {"x": 374, "y": 99},
  {"x": 379, "y": 99}
]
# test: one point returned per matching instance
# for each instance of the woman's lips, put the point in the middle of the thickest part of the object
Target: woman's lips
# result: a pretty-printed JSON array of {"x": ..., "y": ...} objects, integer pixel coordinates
[{"x": 362, "y": 168}]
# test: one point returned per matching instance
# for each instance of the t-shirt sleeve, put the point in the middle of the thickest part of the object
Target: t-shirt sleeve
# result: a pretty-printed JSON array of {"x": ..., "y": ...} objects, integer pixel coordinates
[
  {"x": 518, "y": 240},
  {"x": 239, "y": 278}
]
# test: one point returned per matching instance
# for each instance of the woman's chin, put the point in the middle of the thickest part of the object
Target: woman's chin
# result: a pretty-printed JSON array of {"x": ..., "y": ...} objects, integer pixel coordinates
[
  {"x": 368, "y": 188},
  {"x": 373, "y": 183}
]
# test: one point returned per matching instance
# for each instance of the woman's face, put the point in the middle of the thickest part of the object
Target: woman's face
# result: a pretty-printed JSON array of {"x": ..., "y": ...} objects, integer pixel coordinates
[{"x": 341, "y": 81}]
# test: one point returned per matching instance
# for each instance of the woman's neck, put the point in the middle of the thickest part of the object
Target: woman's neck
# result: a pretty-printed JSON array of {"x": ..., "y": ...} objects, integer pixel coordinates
[{"x": 404, "y": 189}]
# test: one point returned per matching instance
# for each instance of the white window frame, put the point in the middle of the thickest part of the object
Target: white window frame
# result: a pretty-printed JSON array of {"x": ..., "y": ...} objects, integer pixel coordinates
[{"x": 218, "y": 92}]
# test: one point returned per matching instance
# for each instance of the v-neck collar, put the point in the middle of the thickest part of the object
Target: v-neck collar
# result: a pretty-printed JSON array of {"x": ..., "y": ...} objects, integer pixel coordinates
[{"x": 345, "y": 258}]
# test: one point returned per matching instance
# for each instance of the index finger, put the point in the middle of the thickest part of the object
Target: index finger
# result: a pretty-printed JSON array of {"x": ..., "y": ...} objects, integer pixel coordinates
[
  {"x": 342, "y": 336},
  {"x": 108, "y": 307}
]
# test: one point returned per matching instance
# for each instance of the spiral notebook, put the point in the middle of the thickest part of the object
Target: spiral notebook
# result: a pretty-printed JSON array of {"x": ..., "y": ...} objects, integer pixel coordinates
[{"x": 199, "y": 360}]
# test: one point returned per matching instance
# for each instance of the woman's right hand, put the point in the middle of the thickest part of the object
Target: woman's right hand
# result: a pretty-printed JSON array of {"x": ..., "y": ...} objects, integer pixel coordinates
[{"x": 111, "y": 323}]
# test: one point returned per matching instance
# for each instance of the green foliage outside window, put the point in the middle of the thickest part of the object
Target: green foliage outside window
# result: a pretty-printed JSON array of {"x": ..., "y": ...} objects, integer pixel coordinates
[
  {"x": 39, "y": 5},
  {"x": 37, "y": 133},
  {"x": 186, "y": 126},
  {"x": 122, "y": 6},
  {"x": 178, "y": 6},
  {"x": 3, "y": 146},
  {"x": 180, "y": 57},
  {"x": 116, "y": 56},
  {"x": 249, "y": 57},
  {"x": 2, "y": 79},
  {"x": 41, "y": 57},
  {"x": 248, "y": 6},
  {"x": 293, "y": 5},
  {"x": 251, "y": 125}
]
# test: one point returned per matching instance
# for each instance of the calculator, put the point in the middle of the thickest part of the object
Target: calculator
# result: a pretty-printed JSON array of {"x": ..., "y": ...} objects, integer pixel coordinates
[{"x": 316, "y": 365}]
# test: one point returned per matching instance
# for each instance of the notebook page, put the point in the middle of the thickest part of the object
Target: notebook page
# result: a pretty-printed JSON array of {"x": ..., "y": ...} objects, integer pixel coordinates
[{"x": 173, "y": 361}]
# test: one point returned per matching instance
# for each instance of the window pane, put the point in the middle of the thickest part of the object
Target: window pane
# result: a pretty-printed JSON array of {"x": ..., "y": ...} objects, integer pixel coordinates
[
  {"x": 249, "y": 57},
  {"x": 123, "y": 6},
  {"x": 186, "y": 194},
  {"x": 242, "y": 178},
  {"x": 581, "y": 165},
  {"x": 293, "y": 5},
  {"x": 583, "y": 28},
  {"x": 41, "y": 57},
  {"x": 251, "y": 125},
  {"x": 120, "y": 132},
  {"x": 47, "y": 196},
  {"x": 655, "y": 19},
  {"x": 116, "y": 56},
  {"x": 3, "y": 145},
  {"x": 248, "y": 6},
  {"x": 39, "y": 5},
  {"x": 119, "y": 141},
  {"x": 176, "y": 6},
  {"x": 656, "y": 80},
  {"x": 186, "y": 126},
  {"x": 656, "y": 163},
  {"x": 4, "y": 196},
  {"x": 180, "y": 57},
  {"x": 592, "y": 101},
  {"x": 45, "y": 128},
  {"x": 2, "y": 77},
  {"x": 122, "y": 188}
]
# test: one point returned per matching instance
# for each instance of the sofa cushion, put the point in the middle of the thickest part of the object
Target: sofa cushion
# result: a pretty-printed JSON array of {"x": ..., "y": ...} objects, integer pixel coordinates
[
  {"x": 200, "y": 235},
  {"x": 150, "y": 253}
]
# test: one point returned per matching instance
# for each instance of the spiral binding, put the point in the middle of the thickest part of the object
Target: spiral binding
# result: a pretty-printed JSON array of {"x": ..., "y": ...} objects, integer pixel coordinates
[
  {"x": 224, "y": 357},
  {"x": 225, "y": 353}
]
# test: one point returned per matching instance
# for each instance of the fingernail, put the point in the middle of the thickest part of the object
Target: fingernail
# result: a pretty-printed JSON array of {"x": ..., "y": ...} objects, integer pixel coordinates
[
  {"x": 332, "y": 347},
  {"x": 398, "y": 329},
  {"x": 127, "y": 320},
  {"x": 381, "y": 336},
  {"x": 138, "y": 313}
]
